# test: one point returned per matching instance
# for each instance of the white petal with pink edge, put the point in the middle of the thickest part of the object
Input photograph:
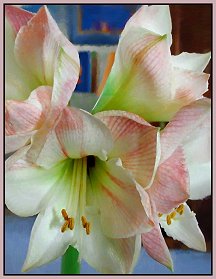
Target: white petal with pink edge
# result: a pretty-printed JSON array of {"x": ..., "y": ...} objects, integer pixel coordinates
[{"x": 120, "y": 205}]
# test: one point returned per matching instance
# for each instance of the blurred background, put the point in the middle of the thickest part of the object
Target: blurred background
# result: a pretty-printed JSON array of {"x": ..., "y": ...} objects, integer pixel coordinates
[{"x": 95, "y": 30}]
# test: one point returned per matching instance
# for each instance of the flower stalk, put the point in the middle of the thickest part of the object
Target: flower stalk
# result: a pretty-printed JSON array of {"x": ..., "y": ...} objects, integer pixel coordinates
[{"x": 70, "y": 262}]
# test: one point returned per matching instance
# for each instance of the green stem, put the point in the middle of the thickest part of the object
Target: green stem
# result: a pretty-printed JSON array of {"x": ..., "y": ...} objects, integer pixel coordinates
[{"x": 69, "y": 263}]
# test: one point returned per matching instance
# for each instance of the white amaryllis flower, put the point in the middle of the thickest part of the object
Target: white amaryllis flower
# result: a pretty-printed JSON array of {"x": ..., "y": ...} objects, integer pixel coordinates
[
  {"x": 37, "y": 57},
  {"x": 145, "y": 78},
  {"x": 85, "y": 189},
  {"x": 184, "y": 172}
]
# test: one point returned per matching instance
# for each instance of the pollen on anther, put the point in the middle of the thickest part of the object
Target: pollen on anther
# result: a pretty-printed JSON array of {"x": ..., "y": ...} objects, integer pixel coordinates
[
  {"x": 71, "y": 223},
  {"x": 173, "y": 214},
  {"x": 180, "y": 209},
  {"x": 88, "y": 227},
  {"x": 84, "y": 221},
  {"x": 64, "y": 214},
  {"x": 168, "y": 219},
  {"x": 160, "y": 214},
  {"x": 64, "y": 227}
]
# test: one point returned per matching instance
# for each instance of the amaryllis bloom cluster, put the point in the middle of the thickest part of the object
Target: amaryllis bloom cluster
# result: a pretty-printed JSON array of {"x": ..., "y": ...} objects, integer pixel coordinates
[{"x": 105, "y": 183}]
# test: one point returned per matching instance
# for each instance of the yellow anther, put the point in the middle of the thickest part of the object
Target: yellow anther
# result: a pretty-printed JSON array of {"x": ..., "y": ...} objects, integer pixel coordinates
[
  {"x": 160, "y": 214},
  {"x": 180, "y": 208},
  {"x": 84, "y": 221},
  {"x": 173, "y": 214},
  {"x": 88, "y": 227},
  {"x": 168, "y": 219},
  {"x": 64, "y": 227},
  {"x": 64, "y": 214},
  {"x": 182, "y": 211},
  {"x": 71, "y": 223}
]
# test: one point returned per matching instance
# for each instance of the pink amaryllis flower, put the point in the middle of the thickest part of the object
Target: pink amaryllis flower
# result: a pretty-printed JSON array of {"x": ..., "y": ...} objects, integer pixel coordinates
[
  {"x": 42, "y": 69},
  {"x": 85, "y": 188},
  {"x": 145, "y": 78},
  {"x": 184, "y": 172}
]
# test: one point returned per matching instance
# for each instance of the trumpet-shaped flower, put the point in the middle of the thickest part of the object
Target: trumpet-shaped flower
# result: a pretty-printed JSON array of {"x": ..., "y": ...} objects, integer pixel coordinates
[
  {"x": 37, "y": 54},
  {"x": 183, "y": 172},
  {"x": 145, "y": 78},
  {"x": 85, "y": 189}
]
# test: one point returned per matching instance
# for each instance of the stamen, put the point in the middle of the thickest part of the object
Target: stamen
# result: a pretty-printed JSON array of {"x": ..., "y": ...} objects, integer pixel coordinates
[
  {"x": 64, "y": 227},
  {"x": 173, "y": 214},
  {"x": 64, "y": 214},
  {"x": 180, "y": 209},
  {"x": 88, "y": 227},
  {"x": 168, "y": 219},
  {"x": 84, "y": 221},
  {"x": 160, "y": 214},
  {"x": 71, "y": 223}
]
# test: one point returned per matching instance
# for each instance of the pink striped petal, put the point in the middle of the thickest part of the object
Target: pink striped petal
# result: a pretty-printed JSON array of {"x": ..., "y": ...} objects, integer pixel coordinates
[
  {"x": 136, "y": 142},
  {"x": 156, "y": 247},
  {"x": 22, "y": 118},
  {"x": 139, "y": 77},
  {"x": 181, "y": 127},
  {"x": 171, "y": 184},
  {"x": 81, "y": 134},
  {"x": 17, "y": 17},
  {"x": 42, "y": 55},
  {"x": 75, "y": 134},
  {"x": 121, "y": 211}
]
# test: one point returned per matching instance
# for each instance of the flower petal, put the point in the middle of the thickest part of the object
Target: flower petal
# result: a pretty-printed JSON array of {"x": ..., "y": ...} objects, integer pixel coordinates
[
  {"x": 109, "y": 255},
  {"x": 155, "y": 18},
  {"x": 139, "y": 77},
  {"x": 17, "y": 17},
  {"x": 81, "y": 134},
  {"x": 47, "y": 242},
  {"x": 196, "y": 62},
  {"x": 15, "y": 142},
  {"x": 23, "y": 118},
  {"x": 185, "y": 229},
  {"x": 171, "y": 184},
  {"x": 29, "y": 187},
  {"x": 121, "y": 209},
  {"x": 189, "y": 85},
  {"x": 185, "y": 122},
  {"x": 136, "y": 142},
  {"x": 18, "y": 84},
  {"x": 155, "y": 245},
  {"x": 46, "y": 49},
  {"x": 199, "y": 162}
]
